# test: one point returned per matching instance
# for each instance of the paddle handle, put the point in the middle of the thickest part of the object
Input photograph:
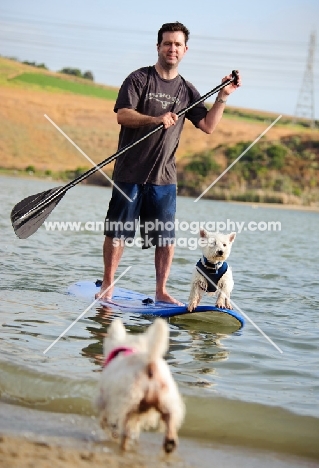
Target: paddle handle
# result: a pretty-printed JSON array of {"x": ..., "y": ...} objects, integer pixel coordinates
[{"x": 233, "y": 79}]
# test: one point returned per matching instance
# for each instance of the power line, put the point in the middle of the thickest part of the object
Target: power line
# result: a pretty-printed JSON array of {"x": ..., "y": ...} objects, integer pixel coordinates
[
  {"x": 195, "y": 55},
  {"x": 96, "y": 28}
]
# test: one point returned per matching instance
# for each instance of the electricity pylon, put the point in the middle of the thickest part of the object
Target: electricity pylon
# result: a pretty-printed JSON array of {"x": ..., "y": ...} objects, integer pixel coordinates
[{"x": 306, "y": 100}]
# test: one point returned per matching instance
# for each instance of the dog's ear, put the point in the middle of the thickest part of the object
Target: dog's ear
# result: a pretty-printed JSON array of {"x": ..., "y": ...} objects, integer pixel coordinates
[
  {"x": 203, "y": 233},
  {"x": 116, "y": 330},
  {"x": 158, "y": 338},
  {"x": 232, "y": 236}
]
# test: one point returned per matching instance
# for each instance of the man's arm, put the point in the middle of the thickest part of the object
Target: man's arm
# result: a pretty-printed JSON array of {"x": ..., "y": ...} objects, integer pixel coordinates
[
  {"x": 133, "y": 119},
  {"x": 215, "y": 113}
]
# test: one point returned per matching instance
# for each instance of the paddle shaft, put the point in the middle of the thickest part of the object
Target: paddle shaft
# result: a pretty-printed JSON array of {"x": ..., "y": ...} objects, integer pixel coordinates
[{"x": 60, "y": 193}]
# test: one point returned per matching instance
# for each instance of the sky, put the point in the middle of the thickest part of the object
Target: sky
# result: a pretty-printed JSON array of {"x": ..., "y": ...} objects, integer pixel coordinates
[{"x": 267, "y": 41}]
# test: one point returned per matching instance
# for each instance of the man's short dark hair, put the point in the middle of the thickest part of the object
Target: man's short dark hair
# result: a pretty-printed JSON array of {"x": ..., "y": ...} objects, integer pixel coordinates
[{"x": 172, "y": 27}]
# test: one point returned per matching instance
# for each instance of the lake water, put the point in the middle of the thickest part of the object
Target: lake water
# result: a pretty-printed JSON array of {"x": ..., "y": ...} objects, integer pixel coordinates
[{"x": 237, "y": 386}]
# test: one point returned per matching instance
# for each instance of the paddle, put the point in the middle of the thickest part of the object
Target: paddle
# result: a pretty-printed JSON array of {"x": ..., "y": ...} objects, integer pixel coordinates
[{"x": 29, "y": 214}]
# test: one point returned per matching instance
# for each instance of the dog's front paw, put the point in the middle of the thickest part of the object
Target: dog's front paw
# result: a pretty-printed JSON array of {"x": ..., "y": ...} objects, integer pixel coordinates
[
  {"x": 169, "y": 445},
  {"x": 193, "y": 301},
  {"x": 223, "y": 304},
  {"x": 191, "y": 306}
]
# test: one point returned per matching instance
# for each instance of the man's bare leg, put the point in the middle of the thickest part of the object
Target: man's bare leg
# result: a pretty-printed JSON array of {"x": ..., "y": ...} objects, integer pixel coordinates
[
  {"x": 112, "y": 253},
  {"x": 163, "y": 261}
]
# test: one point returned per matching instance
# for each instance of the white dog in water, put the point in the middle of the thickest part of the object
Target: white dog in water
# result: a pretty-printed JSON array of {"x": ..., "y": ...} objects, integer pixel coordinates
[
  {"x": 212, "y": 274},
  {"x": 137, "y": 390}
]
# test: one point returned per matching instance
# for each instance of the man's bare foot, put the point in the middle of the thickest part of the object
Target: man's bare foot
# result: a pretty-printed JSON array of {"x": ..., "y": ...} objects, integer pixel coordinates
[
  {"x": 105, "y": 293},
  {"x": 165, "y": 297}
]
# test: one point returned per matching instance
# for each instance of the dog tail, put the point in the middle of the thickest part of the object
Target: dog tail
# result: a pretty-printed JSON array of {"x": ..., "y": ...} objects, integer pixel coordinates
[{"x": 158, "y": 338}]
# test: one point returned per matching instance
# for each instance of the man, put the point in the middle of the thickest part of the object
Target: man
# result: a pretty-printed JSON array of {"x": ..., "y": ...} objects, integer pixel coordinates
[{"x": 145, "y": 176}]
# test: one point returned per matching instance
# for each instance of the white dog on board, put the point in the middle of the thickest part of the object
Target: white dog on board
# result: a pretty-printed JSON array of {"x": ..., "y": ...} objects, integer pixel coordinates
[
  {"x": 212, "y": 274},
  {"x": 137, "y": 391}
]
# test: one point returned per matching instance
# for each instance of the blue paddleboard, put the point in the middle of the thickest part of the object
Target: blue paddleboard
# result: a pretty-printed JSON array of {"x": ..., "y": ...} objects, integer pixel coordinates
[{"x": 137, "y": 303}]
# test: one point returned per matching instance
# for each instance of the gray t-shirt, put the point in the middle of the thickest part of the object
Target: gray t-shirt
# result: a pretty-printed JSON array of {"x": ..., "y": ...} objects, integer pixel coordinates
[{"x": 153, "y": 160}]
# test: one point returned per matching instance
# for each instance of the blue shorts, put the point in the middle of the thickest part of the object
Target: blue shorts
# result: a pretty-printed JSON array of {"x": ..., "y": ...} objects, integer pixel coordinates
[{"x": 153, "y": 208}]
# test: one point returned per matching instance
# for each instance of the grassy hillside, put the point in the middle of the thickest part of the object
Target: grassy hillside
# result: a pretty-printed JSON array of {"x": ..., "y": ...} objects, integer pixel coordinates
[
  {"x": 14, "y": 73},
  {"x": 84, "y": 111},
  {"x": 48, "y": 82}
]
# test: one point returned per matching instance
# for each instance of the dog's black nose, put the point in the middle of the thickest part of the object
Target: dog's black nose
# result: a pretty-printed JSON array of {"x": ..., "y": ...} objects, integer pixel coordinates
[{"x": 220, "y": 252}]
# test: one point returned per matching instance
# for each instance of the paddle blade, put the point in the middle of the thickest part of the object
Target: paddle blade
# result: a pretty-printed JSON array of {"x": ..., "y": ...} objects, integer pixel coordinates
[{"x": 30, "y": 213}]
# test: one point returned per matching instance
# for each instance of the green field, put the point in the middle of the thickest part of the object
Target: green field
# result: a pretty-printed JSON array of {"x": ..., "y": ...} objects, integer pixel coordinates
[{"x": 48, "y": 81}]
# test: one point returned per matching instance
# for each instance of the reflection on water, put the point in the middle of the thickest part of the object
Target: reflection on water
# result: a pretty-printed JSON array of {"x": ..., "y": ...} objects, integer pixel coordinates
[{"x": 189, "y": 348}]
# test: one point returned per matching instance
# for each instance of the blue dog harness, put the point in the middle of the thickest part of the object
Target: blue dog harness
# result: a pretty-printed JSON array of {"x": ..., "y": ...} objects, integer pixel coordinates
[{"x": 212, "y": 272}]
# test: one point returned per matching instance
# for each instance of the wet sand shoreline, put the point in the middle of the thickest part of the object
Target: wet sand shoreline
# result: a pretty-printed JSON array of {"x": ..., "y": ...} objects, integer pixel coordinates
[{"x": 38, "y": 438}]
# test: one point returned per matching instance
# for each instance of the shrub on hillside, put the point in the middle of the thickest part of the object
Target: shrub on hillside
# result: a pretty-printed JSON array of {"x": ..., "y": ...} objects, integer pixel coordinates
[
  {"x": 202, "y": 164},
  {"x": 88, "y": 75},
  {"x": 71, "y": 71},
  {"x": 34, "y": 64},
  {"x": 276, "y": 154}
]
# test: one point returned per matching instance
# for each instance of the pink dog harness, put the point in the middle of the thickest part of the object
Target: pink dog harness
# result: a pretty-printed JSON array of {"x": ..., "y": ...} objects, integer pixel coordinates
[{"x": 116, "y": 351}]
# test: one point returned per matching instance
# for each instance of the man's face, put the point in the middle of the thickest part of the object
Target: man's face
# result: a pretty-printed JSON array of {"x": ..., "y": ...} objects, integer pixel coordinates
[{"x": 172, "y": 49}]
